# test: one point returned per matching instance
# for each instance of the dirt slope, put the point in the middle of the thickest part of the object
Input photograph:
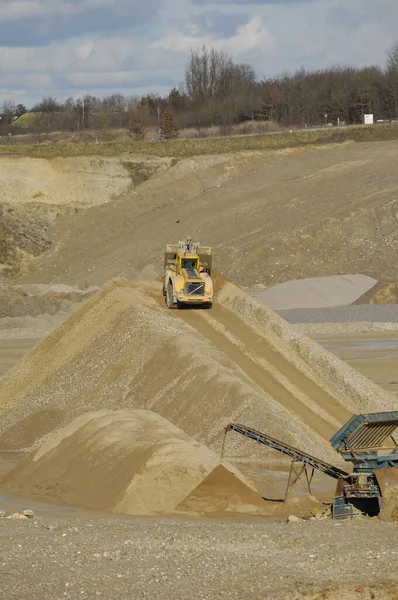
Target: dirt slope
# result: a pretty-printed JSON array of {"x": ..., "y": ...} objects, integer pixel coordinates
[
  {"x": 78, "y": 182},
  {"x": 131, "y": 462},
  {"x": 199, "y": 369},
  {"x": 381, "y": 293},
  {"x": 34, "y": 192},
  {"x": 270, "y": 217}
]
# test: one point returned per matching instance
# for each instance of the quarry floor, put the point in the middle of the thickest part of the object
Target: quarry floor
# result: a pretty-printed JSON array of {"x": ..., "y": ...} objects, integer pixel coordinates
[
  {"x": 90, "y": 558},
  {"x": 270, "y": 217}
]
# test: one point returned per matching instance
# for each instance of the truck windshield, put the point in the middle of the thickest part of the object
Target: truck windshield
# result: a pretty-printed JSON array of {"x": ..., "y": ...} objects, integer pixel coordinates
[{"x": 189, "y": 264}]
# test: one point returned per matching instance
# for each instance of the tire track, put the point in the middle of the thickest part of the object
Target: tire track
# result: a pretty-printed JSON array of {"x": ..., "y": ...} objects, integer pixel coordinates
[{"x": 253, "y": 353}]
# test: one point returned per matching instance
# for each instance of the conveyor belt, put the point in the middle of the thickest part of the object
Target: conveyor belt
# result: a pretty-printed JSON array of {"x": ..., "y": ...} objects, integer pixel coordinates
[{"x": 293, "y": 453}]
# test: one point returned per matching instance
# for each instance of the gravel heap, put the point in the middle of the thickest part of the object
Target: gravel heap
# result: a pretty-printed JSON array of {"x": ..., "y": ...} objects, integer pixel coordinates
[
  {"x": 122, "y": 349},
  {"x": 315, "y": 292},
  {"x": 369, "y": 313}
]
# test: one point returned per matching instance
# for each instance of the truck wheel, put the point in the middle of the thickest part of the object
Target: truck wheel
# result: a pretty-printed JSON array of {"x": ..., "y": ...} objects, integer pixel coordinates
[{"x": 169, "y": 297}]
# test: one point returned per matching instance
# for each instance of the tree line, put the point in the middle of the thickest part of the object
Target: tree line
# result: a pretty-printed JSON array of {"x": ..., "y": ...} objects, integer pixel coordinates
[{"x": 218, "y": 91}]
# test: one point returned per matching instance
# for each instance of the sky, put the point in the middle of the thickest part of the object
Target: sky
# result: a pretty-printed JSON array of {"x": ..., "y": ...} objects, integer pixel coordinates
[{"x": 65, "y": 48}]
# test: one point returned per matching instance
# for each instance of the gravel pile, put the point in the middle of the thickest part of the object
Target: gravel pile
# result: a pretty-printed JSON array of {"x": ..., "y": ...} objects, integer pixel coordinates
[
  {"x": 315, "y": 292},
  {"x": 378, "y": 313}
]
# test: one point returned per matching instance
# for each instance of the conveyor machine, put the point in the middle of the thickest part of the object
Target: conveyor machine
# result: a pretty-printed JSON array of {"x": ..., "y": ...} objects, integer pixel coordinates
[{"x": 368, "y": 442}]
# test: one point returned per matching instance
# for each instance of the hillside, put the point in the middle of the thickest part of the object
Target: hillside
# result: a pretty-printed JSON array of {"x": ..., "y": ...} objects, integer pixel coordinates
[{"x": 285, "y": 214}]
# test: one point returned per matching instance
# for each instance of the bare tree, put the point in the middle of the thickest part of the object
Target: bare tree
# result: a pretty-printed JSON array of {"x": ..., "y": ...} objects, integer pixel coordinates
[
  {"x": 139, "y": 121},
  {"x": 217, "y": 87},
  {"x": 392, "y": 74},
  {"x": 9, "y": 111},
  {"x": 47, "y": 105}
]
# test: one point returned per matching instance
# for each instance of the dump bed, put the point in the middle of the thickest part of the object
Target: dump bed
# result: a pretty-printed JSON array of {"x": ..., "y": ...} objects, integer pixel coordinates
[{"x": 204, "y": 253}]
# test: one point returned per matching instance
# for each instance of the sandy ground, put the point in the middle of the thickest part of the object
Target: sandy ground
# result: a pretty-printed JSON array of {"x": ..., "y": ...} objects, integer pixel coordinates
[{"x": 374, "y": 355}]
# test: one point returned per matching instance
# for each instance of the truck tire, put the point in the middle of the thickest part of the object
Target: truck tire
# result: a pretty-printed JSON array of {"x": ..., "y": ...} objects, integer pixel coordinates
[{"x": 169, "y": 297}]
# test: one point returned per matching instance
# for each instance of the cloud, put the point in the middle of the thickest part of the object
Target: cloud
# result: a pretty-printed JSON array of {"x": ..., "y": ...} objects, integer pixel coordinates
[
  {"x": 66, "y": 47},
  {"x": 219, "y": 23},
  {"x": 254, "y": 2},
  {"x": 39, "y": 22},
  {"x": 253, "y": 34}
]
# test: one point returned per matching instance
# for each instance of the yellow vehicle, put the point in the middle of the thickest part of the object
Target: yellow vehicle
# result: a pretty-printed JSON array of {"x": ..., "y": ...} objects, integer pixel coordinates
[{"x": 187, "y": 275}]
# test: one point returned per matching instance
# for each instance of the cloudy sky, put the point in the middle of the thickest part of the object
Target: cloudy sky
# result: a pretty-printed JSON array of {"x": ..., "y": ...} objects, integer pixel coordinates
[{"x": 70, "y": 47}]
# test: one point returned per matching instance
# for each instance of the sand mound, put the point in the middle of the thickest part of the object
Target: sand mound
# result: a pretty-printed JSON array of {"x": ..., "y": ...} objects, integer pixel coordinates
[
  {"x": 123, "y": 349},
  {"x": 223, "y": 491},
  {"x": 132, "y": 462},
  {"x": 316, "y": 292},
  {"x": 200, "y": 370},
  {"x": 389, "y": 510}
]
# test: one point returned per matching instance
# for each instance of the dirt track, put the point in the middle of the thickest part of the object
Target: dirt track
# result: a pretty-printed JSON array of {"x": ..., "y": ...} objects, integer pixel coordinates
[{"x": 268, "y": 369}]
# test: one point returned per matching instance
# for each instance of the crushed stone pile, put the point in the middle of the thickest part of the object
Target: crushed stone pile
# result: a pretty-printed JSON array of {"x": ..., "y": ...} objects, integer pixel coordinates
[
  {"x": 132, "y": 462},
  {"x": 200, "y": 370},
  {"x": 315, "y": 292},
  {"x": 123, "y": 349}
]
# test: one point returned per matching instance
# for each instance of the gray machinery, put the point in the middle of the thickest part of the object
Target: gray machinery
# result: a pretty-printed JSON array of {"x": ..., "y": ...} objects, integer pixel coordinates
[{"x": 367, "y": 441}]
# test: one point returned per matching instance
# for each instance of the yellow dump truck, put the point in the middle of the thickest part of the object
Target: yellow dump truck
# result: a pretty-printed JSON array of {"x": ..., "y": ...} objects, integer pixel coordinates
[{"x": 187, "y": 274}]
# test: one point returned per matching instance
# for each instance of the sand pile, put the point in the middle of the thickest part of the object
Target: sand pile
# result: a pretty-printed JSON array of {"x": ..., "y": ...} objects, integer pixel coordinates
[
  {"x": 123, "y": 349},
  {"x": 132, "y": 462},
  {"x": 198, "y": 369},
  {"x": 223, "y": 490}
]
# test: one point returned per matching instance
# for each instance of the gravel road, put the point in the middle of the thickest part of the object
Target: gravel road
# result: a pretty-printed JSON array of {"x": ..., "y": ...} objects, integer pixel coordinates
[
  {"x": 377, "y": 313},
  {"x": 163, "y": 559}
]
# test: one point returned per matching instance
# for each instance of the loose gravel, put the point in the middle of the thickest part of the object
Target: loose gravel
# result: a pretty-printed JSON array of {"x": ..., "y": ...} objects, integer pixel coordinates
[
  {"x": 142, "y": 559},
  {"x": 377, "y": 313}
]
